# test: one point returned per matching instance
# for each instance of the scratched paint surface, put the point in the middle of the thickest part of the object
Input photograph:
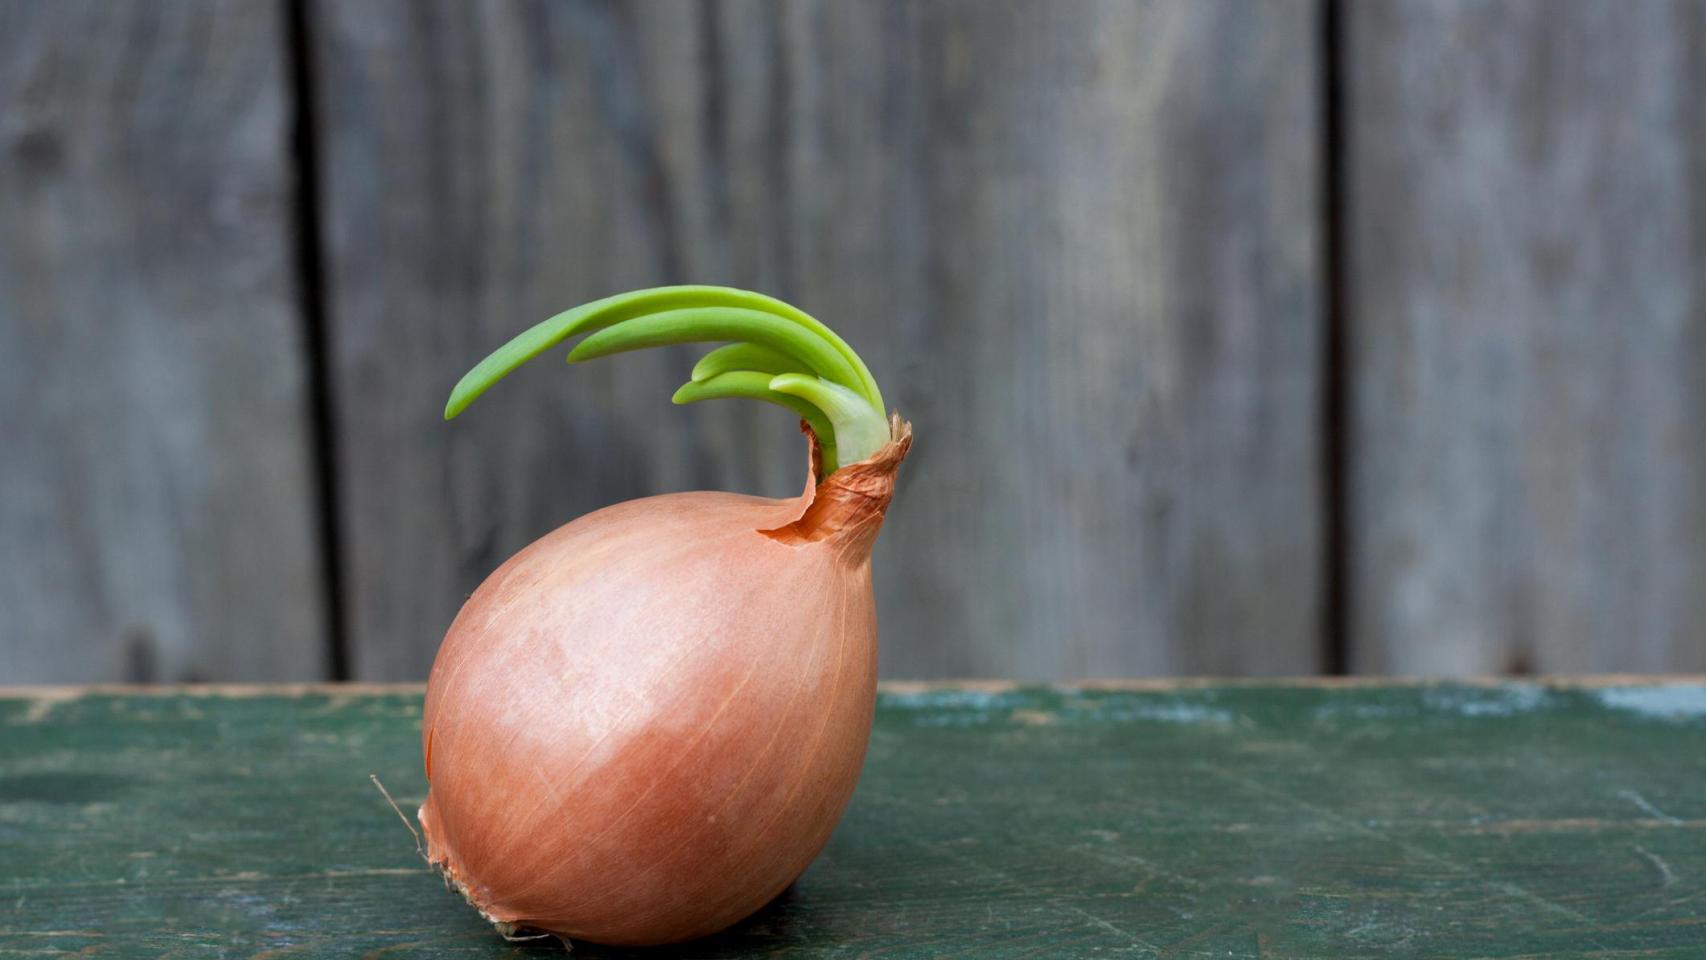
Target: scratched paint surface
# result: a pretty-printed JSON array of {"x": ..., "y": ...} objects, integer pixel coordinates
[{"x": 1270, "y": 821}]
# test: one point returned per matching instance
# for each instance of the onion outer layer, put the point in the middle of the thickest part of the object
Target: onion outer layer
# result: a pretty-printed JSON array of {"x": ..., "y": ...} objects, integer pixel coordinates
[{"x": 644, "y": 726}]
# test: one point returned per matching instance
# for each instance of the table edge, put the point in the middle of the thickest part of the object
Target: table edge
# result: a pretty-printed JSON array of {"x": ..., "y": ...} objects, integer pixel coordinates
[{"x": 897, "y": 687}]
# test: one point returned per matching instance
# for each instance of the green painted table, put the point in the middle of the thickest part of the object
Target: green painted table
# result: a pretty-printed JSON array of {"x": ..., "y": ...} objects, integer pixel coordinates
[{"x": 1177, "y": 820}]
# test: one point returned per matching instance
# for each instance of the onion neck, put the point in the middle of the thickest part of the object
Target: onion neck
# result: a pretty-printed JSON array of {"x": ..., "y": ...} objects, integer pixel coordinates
[{"x": 848, "y": 506}]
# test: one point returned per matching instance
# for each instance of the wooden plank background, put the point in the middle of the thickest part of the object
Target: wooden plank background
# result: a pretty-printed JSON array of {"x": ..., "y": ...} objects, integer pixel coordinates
[
  {"x": 157, "y": 517},
  {"x": 1100, "y": 316},
  {"x": 1098, "y": 253},
  {"x": 1527, "y": 250}
]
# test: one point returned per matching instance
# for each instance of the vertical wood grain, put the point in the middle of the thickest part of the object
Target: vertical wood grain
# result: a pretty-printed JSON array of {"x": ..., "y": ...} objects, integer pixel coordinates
[
  {"x": 1097, "y": 257},
  {"x": 1077, "y": 244},
  {"x": 156, "y": 521},
  {"x": 1527, "y": 260}
]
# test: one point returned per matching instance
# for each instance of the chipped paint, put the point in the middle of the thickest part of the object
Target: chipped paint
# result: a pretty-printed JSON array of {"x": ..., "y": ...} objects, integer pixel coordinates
[{"x": 1673, "y": 703}]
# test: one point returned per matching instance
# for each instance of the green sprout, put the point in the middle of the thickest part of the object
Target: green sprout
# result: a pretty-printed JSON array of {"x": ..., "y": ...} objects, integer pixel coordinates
[{"x": 773, "y": 352}]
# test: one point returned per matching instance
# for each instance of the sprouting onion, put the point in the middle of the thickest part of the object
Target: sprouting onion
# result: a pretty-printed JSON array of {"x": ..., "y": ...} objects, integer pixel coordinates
[{"x": 644, "y": 725}]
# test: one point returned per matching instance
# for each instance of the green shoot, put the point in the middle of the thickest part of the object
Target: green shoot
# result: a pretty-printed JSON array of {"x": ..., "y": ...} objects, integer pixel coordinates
[
  {"x": 756, "y": 386},
  {"x": 744, "y": 356},
  {"x": 856, "y": 431},
  {"x": 774, "y": 352},
  {"x": 718, "y": 323}
]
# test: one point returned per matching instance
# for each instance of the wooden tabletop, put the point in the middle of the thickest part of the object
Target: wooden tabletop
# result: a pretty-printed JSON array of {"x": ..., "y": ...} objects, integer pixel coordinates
[{"x": 1298, "y": 820}]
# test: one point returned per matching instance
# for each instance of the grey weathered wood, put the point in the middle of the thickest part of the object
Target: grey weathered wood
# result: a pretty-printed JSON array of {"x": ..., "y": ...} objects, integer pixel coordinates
[
  {"x": 1077, "y": 244},
  {"x": 156, "y": 521},
  {"x": 1527, "y": 269}
]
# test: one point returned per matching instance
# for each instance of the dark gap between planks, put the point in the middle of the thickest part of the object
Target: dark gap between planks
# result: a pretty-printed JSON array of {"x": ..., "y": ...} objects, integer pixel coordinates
[
  {"x": 1335, "y": 376},
  {"x": 310, "y": 267}
]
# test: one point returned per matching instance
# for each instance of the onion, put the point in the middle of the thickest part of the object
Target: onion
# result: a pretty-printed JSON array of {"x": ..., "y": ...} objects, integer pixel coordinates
[{"x": 644, "y": 726}]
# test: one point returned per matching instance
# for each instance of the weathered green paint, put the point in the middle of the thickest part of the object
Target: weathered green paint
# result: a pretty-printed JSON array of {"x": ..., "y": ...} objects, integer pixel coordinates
[{"x": 1248, "y": 821}]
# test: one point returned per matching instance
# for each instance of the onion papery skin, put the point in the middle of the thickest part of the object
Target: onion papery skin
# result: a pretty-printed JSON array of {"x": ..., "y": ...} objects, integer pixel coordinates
[{"x": 644, "y": 726}]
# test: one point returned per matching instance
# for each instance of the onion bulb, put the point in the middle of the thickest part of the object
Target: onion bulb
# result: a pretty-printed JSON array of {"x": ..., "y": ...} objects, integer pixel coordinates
[{"x": 642, "y": 727}]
